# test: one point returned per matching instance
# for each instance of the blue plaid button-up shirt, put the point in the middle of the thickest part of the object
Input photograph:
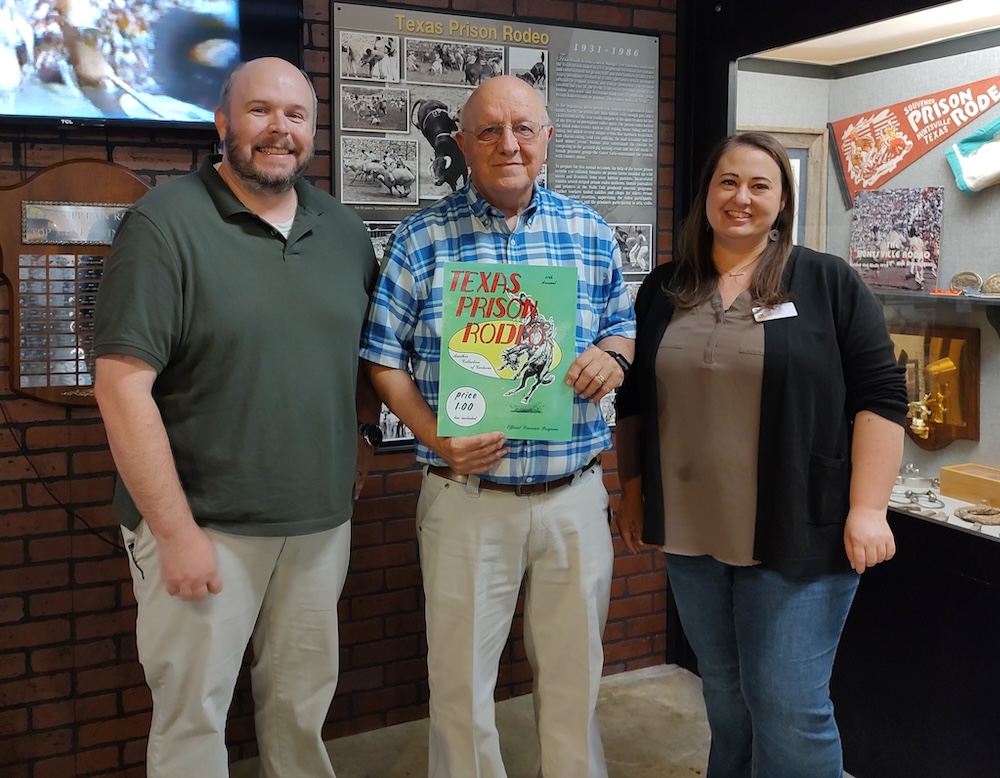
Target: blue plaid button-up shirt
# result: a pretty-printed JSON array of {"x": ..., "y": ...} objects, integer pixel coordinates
[{"x": 403, "y": 329}]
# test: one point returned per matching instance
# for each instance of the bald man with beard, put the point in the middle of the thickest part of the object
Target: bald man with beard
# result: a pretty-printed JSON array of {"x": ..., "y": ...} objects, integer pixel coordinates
[{"x": 226, "y": 339}]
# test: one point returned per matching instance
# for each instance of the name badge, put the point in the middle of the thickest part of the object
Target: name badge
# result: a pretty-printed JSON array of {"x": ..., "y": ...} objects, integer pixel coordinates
[{"x": 783, "y": 311}]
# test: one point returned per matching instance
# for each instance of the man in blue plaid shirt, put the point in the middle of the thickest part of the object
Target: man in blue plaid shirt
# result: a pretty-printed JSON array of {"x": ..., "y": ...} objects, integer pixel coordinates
[{"x": 495, "y": 511}]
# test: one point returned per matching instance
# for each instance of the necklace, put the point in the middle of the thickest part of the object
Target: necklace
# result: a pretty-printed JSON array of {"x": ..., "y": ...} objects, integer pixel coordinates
[{"x": 741, "y": 270}]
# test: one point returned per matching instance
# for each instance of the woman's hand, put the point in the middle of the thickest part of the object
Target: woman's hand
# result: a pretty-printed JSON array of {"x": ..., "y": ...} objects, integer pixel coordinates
[
  {"x": 867, "y": 538},
  {"x": 629, "y": 518}
]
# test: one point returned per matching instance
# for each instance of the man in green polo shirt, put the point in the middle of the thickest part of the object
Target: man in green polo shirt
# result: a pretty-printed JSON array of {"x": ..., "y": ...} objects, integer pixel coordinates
[{"x": 227, "y": 331}]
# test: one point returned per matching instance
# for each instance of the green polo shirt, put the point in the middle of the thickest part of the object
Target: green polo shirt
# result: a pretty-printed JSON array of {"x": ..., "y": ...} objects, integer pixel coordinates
[{"x": 255, "y": 342}]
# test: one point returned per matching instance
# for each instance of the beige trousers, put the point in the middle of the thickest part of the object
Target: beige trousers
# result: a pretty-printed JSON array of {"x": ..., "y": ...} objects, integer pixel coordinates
[
  {"x": 280, "y": 594},
  {"x": 476, "y": 546}
]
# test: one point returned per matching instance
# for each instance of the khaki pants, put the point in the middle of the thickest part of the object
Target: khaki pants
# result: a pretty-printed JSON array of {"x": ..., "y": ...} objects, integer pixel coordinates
[
  {"x": 476, "y": 546},
  {"x": 280, "y": 593}
]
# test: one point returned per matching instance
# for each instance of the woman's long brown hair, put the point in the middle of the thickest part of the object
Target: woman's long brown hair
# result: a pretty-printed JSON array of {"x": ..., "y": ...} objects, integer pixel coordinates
[{"x": 696, "y": 276}]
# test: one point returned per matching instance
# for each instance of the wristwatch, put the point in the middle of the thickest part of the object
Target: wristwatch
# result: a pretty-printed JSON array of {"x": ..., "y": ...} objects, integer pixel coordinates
[
  {"x": 371, "y": 433},
  {"x": 623, "y": 363}
]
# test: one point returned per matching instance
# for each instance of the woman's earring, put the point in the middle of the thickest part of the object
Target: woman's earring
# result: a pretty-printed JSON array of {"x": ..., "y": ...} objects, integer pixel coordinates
[{"x": 773, "y": 235}]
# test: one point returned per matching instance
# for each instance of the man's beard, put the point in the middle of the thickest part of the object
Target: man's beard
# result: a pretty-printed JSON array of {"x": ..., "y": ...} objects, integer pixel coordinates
[{"x": 256, "y": 179}]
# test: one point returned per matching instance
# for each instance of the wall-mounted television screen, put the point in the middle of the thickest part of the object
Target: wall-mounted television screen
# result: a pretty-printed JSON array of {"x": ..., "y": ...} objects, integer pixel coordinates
[{"x": 145, "y": 62}]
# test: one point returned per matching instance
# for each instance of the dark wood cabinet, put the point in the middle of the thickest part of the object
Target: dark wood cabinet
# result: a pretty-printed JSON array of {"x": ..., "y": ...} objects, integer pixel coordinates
[{"x": 916, "y": 684}]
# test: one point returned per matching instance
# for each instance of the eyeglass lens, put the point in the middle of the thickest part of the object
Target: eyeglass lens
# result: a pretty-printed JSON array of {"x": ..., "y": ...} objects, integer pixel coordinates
[{"x": 491, "y": 133}]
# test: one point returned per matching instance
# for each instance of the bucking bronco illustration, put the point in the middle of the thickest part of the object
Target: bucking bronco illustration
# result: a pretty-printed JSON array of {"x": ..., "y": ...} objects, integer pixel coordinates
[{"x": 534, "y": 352}]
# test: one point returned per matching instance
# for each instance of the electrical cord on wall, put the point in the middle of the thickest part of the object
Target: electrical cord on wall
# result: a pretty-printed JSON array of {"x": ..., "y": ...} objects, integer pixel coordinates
[{"x": 22, "y": 450}]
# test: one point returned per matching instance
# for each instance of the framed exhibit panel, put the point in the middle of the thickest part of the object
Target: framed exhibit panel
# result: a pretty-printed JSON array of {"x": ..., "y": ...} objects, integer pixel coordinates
[{"x": 403, "y": 76}]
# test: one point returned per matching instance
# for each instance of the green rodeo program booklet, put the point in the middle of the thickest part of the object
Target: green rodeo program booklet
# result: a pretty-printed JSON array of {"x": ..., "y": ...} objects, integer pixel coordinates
[{"x": 507, "y": 341}]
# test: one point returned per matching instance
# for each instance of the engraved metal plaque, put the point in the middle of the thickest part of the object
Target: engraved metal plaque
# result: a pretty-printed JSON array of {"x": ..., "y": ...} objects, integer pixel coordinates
[
  {"x": 55, "y": 232},
  {"x": 58, "y": 224},
  {"x": 56, "y": 294}
]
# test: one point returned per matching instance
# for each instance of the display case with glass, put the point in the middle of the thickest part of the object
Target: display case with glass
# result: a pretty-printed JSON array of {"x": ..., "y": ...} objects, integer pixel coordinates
[
  {"x": 912, "y": 686},
  {"x": 887, "y": 199}
]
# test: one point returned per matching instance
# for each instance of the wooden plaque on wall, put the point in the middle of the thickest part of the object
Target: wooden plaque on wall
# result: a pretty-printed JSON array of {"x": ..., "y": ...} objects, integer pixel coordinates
[{"x": 55, "y": 233}]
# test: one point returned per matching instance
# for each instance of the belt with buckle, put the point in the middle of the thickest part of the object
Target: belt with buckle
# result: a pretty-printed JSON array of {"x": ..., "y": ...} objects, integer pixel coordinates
[{"x": 521, "y": 490}]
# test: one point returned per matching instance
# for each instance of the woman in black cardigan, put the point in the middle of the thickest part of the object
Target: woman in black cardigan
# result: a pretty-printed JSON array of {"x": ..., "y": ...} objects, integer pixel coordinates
[{"x": 759, "y": 434}]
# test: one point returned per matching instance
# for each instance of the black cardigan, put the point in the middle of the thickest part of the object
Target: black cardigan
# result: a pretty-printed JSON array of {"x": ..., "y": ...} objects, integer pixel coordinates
[{"x": 821, "y": 367}]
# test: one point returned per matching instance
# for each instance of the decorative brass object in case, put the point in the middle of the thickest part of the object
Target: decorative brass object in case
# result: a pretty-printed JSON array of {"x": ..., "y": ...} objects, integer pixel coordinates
[
  {"x": 992, "y": 284},
  {"x": 967, "y": 279},
  {"x": 942, "y": 382}
]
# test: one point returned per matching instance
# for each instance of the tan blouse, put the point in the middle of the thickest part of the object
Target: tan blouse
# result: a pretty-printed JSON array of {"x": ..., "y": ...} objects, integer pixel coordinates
[{"x": 709, "y": 371}]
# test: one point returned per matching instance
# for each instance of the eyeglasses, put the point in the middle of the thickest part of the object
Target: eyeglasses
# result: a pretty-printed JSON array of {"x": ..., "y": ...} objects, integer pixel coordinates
[{"x": 488, "y": 134}]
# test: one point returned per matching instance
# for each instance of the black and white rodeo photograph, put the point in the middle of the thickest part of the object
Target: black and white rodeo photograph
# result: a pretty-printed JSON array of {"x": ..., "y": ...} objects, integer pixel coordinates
[
  {"x": 379, "y": 233},
  {"x": 529, "y": 65},
  {"x": 542, "y": 179},
  {"x": 394, "y": 432},
  {"x": 373, "y": 108},
  {"x": 608, "y": 409},
  {"x": 632, "y": 287},
  {"x": 633, "y": 241},
  {"x": 378, "y": 171},
  {"x": 434, "y": 113},
  {"x": 454, "y": 64},
  {"x": 368, "y": 56}
]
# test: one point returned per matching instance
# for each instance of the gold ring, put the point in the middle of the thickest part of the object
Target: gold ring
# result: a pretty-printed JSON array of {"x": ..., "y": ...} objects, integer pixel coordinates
[{"x": 601, "y": 378}]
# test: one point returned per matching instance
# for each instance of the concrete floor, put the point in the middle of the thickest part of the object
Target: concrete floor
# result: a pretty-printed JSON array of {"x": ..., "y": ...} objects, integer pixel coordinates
[{"x": 652, "y": 722}]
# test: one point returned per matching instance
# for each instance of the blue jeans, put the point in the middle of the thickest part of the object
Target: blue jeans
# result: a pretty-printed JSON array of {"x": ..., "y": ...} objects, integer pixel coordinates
[{"x": 765, "y": 644}]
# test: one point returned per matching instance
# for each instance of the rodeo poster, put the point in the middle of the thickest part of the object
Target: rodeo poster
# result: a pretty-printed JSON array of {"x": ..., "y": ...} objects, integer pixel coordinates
[
  {"x": 896, "y": 237},
  {"x": 507, "y": 340}
]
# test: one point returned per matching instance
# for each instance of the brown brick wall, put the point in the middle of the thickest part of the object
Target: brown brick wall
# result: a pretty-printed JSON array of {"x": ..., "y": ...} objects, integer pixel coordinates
[{"x": 72, "y": 697}]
